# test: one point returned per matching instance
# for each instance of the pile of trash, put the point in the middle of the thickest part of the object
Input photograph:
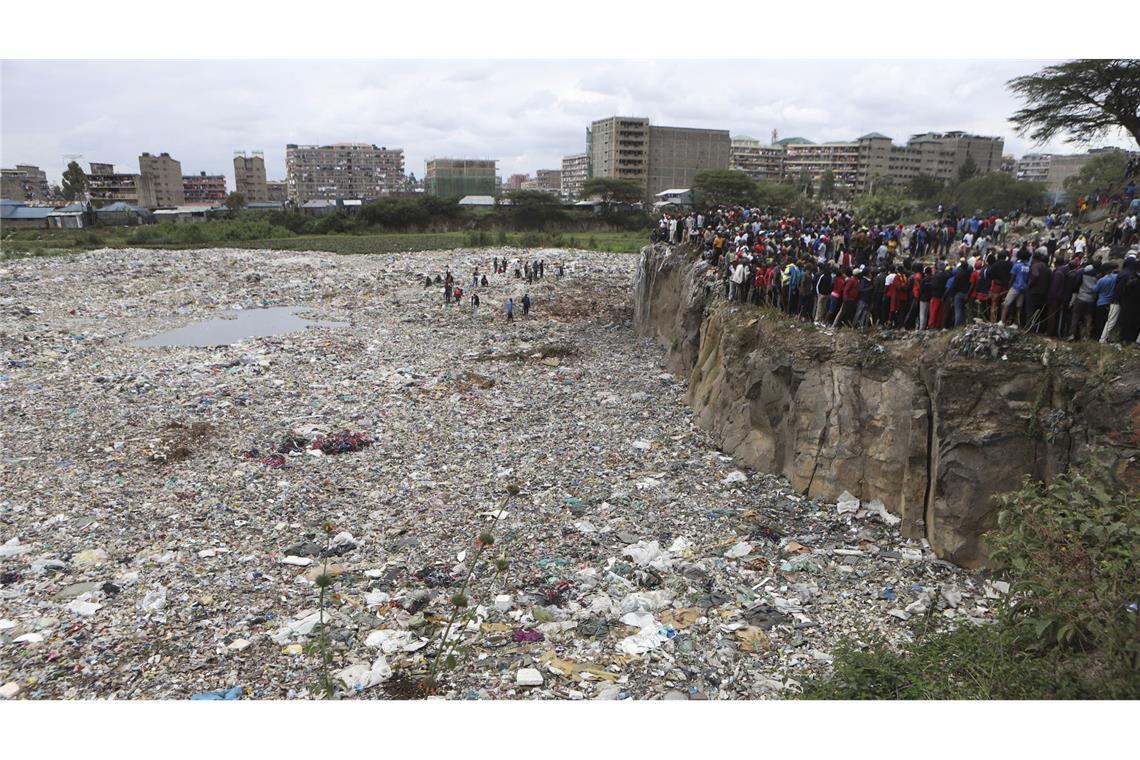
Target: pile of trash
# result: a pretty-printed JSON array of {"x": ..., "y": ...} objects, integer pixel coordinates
[
  {"x": 981, "y": 339},
  {"x": 640, "y": 562}
]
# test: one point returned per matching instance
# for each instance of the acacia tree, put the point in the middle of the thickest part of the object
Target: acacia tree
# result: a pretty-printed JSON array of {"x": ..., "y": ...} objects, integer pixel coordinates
[
  {"x": 723, "y": 187},
  {"x": 612, "y": 190},
  {"x": 827, "y": 185},
  {"x": 1083, "y": 100}
]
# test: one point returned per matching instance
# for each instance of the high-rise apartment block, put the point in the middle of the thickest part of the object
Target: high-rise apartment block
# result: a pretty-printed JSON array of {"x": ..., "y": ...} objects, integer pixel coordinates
[
  {"x": 160, "y": 181},
  {"x": 574, "y": 173},
  {"x": 655, "y": 158},
  {"x": 204, "y": 188},
  {"x": 457, "y": 177},
  {"x": 343, "y": 170},
  {"x": 106, "y": 186},
  {"x": 516, "y": 181},
  {"x": 802, "y": 156},
  {"x": 24, "y": 183},
  {"x": 249, "y": 176},
  {"x": 277, "y": 190},
  {"x": 857, "y": 165},
  {"x": 763, "y": 163},
  {"x": 935, "y": 154}
]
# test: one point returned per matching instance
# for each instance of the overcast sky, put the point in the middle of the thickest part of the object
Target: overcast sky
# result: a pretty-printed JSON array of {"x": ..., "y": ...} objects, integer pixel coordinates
[{"x": 526, "y": 114}]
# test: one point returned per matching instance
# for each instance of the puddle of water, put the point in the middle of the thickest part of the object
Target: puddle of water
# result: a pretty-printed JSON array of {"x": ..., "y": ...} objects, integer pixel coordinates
[{"x": 239, "y": 324}]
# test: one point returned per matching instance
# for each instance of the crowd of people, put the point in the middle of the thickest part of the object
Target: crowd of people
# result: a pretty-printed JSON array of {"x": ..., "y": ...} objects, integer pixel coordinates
[
  {"x": 528, "y": 270},
  {"x": 834, "y": 271}
]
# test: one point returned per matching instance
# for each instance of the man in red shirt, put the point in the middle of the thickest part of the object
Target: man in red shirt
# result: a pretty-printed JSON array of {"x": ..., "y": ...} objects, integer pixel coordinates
[{"x": 850, "y": 298}]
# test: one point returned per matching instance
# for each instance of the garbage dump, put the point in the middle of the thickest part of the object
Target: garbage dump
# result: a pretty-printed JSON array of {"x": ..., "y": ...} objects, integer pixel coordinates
[{"x": 169, "y": 512}]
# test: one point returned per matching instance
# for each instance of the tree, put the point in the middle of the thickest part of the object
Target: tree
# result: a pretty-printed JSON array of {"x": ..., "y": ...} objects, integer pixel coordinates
[
  {"x": 924, "y": 187},
  {"x": 612, "y": 190},
  {"x": 235, "y": 201},
  {"x": 1100, "y": 172},
  {"x": 74, "y": 182},
  {"x": 1083, "y": 100},
  {"x": 1000, "y": 191},
  {"x": 723, "y": 187},
  {"x": 968, "y": 169},
  {"x": 534, "y": 209},
  {"x": 827, "y": 185},
  {"x": 881, "y": 208}
]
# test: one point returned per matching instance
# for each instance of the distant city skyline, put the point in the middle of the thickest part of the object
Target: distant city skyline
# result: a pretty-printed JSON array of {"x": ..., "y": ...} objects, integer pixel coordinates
[{"x": 525, "y": 114}]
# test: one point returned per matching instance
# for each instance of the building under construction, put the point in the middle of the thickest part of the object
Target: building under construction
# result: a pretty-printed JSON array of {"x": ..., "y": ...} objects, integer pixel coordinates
[{"x": 458, "y": 177}]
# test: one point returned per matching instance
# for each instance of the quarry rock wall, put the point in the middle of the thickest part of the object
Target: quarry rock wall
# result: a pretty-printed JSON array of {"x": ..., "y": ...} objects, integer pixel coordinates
[{"x": 908, "y": 420}]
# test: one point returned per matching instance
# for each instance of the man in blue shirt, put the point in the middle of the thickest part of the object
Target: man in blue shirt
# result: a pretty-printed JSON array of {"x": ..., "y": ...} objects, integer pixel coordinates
[
  {"x": 1019, "y": 282},
  {"x": 1104, "y": 287}
]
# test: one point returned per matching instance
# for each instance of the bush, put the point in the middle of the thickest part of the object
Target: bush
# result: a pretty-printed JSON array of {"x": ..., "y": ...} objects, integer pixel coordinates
[{"x": 1069, "y": 630}]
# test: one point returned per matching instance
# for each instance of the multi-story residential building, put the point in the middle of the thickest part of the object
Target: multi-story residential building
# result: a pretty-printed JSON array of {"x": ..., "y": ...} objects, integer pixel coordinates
[
  {"x": 1053, "y": 169},
  {"x": 515, "y": 181},
  {"x": 458, "y": 177},
  {"x": 937, "y": 155},
  {"x": 763, "y": 163},
  {"x": 343, "y": 170},
  {"x": 815, "y": 159},
  {"x": 655, "y": 158},
  {"x": 204, "y": 188},
  {"x": 249, "y": 176},
  {"x": 277, "y": 190},
  {"x": 160, "y": 181},
  {"x": 574, "y": 172},
  {"x": 106, "y": 186},
  {"x": 618, "y": 147},
  {"x": 24, "y": 183},
  {"x": 546, "y": 181}
]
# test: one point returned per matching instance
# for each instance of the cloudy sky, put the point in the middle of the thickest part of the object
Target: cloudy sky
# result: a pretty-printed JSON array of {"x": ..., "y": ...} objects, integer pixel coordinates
[{"x": 526, "y": 114}]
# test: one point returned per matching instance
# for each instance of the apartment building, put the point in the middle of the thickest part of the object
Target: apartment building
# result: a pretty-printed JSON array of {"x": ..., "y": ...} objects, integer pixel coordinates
[
  {"x": 618, "y": 147},
  {"x": 574, "y": 172},
  {"x": 458, "y": 177},
  {"x": 1053, "y": 169},
  {"x": 160, "y": 181},
  {"x": 343, "y": 170},
  {"x": 25, "y": 183},
  {"x": 516, "y": 181},
  {"x": 763, "y": 163},
  {"x": 277, "y": 190},
  {"x": 204, "y": 188},
  {"x": 656, "y": 158},
  {"x": 249, "y": 176},
  {"x": 545, "y": 181},
  {"x": 803, "y": 156},
  {"x": 934, "y": 154},
  {"x": 106, "y": 186}
]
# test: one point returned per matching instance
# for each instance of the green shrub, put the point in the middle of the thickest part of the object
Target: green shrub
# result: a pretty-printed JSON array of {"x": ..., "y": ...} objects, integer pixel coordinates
[{"x": 1068, "y": 629}]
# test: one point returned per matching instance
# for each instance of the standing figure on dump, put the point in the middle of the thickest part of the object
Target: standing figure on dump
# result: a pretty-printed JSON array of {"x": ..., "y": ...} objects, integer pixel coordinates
[
  {"x": 474, "y": 305},
  {"x": 526, "y": 304},
  {"x": 510, "y": 310}
]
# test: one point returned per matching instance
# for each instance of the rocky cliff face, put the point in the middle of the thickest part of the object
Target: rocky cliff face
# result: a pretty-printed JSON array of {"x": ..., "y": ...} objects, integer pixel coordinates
[{"x": 932, "y": 425}]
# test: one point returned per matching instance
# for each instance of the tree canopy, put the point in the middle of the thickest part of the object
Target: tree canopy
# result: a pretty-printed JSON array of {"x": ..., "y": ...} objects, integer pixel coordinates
[
  {"x": 612, "y": 190},
  {"x": 723, "y": 187},
  {"x": 235, "y": 201},
  {"x": 998, "y": 191},
  {"x": 74, "y": 182},
  {"x": 1100, "y": 172},
  {"x": 1083, "y": 100}
]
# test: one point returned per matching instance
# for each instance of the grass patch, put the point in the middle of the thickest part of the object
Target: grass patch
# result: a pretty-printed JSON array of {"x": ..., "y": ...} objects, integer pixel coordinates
[{"x": 25, "y": 243}]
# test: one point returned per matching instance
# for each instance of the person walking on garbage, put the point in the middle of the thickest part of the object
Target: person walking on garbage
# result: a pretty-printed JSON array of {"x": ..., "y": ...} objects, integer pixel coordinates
[
  {"x": 474, "y": 305},
  {"x": 510, "y": 310},
  {"x": 526, "y": 304}
]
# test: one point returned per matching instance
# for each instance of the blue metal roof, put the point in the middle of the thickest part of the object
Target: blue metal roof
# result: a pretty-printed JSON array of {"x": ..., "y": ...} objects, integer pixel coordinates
[{"x": 9, "y": 211}]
